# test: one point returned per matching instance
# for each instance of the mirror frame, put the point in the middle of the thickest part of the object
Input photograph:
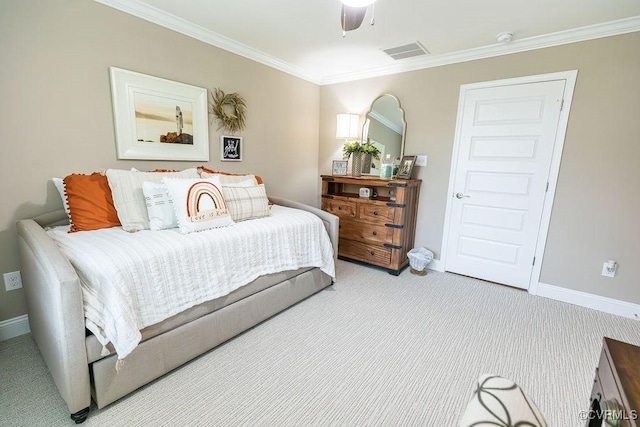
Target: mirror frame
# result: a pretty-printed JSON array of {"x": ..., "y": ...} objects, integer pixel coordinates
[{"x": 365, "y": 126}]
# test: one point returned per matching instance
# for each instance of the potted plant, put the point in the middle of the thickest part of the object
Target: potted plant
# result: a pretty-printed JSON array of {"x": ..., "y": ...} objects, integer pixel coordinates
[
  {"x": 354, "y": 148},
  {"x": 369, "y": 152}
]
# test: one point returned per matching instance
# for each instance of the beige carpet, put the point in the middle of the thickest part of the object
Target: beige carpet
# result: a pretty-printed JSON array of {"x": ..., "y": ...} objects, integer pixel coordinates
[{"x": 373, "y": 349}]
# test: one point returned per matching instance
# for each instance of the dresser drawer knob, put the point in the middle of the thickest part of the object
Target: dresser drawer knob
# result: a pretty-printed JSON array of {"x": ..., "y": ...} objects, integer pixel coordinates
[
  {"x": 339, "y": 208},
  {"x": 375, "y": 233},
  {"x": 375, "y": 213}
]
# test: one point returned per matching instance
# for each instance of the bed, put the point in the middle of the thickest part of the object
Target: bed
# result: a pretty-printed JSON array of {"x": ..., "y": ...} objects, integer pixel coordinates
[{"x": 86, "y": 365}]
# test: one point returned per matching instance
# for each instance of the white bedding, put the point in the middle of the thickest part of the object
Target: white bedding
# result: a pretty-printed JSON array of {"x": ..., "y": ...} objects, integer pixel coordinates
[{"x": 134, "y": 280}]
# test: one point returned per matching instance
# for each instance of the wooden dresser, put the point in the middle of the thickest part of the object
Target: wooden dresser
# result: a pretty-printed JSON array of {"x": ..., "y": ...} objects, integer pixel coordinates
[
  {"x": 378, "y": 230},
  {"x": 615, "y": 398}
]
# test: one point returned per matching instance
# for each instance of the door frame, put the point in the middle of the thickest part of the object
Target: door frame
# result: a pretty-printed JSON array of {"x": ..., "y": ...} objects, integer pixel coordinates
[{"x": 541, "y": 241}]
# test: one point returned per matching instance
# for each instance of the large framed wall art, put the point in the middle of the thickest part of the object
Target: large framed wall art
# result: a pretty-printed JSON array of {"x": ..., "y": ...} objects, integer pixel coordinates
[{"x": 158, "y": 119}]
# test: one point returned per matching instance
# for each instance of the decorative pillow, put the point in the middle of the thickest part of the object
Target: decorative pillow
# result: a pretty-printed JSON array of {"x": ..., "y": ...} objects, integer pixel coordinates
[
  {"x": 499, "y": 401},
  {"x": 90, "y": 202},
  {"x": 234, "y": 182},
  {"x": 128, "y": 196},
  {"x": 59, "y": 184},
  {"x": 205, "y": 172},
  {"x": 159, "y": 206},
  {"x": 199, "y": 203},
  {"x": 246, "y": 202}
]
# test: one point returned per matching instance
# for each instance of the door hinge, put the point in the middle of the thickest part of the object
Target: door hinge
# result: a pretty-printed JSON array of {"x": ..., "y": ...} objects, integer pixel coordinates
[
  {"x": 561, "y": 104},
  {"x": 534, "y": 261},
  {"x": 546, "y": 189}
]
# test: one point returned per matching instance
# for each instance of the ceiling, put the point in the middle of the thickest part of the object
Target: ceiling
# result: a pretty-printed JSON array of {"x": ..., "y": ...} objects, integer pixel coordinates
[{"x": 304, "y": 37}]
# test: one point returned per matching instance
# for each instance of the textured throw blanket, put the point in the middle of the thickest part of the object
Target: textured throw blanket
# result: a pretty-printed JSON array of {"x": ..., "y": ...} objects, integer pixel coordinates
[{"x": 134, "y": 280}]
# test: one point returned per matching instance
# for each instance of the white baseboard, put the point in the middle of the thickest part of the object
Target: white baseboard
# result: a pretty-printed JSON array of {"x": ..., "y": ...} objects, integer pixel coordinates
[
  {"x": 436, "y": 265},
  {"x": 14, "y": 327},
  {"x": 595, "y": 302}
]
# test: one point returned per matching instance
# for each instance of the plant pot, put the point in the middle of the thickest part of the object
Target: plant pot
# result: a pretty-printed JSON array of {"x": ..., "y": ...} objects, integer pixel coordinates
[
  {"x": 356, "y": 164},
  {"x": 366, "y": 163}
]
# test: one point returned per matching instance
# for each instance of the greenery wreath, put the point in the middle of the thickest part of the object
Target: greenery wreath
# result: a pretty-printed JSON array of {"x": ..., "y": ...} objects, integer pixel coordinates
[{"x": 229, "y": 109}]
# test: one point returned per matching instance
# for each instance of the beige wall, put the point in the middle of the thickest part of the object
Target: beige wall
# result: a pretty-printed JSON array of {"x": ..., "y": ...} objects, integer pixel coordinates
[
  {"x": 596, "y": 210},
  {"x": 57, "y": 119},
  {"x": 56, "y": 109}
]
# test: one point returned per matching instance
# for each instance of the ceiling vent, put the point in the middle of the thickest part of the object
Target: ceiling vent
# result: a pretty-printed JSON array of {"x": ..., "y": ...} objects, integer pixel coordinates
[{"x": 406, "y": 51}]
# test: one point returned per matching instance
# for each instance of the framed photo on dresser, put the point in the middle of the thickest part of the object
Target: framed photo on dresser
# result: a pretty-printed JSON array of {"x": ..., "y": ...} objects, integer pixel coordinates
[
  {"x": 406, "y": 166},
  {"x": 339, "y": 167}
]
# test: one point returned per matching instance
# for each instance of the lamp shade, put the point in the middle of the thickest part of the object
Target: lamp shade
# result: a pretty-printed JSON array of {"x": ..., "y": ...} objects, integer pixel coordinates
[{"x": 347, "y": 125}]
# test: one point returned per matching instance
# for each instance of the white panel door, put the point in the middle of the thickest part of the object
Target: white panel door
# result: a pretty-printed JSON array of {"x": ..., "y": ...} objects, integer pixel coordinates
[{"x": 507, "y": 136}]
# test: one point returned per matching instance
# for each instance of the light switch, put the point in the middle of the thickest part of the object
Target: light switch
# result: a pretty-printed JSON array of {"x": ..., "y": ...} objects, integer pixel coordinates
[{"x": 421, "y": 160}]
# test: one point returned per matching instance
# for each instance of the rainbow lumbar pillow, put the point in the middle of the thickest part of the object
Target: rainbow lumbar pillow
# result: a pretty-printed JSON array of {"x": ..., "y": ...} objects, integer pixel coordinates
[{"x": 199, "y": 203}]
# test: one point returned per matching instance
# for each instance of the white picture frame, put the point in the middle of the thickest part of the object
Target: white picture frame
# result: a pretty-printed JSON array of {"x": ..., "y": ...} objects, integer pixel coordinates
[
  {"x": 339, "y": 167},
  {"x": 148, "y": 109},
  {"x": 231, "y": 148}
]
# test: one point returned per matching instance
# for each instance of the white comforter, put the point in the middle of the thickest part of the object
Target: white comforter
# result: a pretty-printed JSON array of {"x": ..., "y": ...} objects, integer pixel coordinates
[{"x": 133, "y": 280}]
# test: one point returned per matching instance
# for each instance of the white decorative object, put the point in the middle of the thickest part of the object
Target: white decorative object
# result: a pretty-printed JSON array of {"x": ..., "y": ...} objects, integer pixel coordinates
[
  {"x": 128, "y": 197},
  {"x": 59, "y": 184},
  {"x": 246, "y": 203},
  {"x": 159, "y": 206},
  {"x": 158, "y": 119},
  {"x": 199, "y": 203}
]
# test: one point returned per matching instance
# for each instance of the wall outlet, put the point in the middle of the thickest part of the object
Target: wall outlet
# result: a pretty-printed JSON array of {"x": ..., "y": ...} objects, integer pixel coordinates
[
  {"x": 609, "y": 269},
  {"x": 421, "y": 160},
  {"x": 12, "y": 281}
]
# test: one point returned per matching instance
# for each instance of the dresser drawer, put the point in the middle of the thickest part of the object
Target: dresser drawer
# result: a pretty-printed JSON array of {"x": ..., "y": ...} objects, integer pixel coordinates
[
  {"x": 616, "y": 390},
  {"x": 376, "y": 213},
  {"x": 339, "y": 208},
  {"x": 362, "y": 232},
  {"x": 372, "y": 254}
]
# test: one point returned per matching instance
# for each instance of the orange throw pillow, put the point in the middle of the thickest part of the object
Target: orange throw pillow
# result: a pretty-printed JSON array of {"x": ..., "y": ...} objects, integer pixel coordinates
[
  {"x": 207, "y": 170},
  {"x": 90, "y": 202}
]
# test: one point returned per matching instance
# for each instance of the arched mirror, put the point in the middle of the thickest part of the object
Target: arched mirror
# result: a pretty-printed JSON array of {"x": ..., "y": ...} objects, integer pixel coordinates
[{"x": 385, "y": 128}]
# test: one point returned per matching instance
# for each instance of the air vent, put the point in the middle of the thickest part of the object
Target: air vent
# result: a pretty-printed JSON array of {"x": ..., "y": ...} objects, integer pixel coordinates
[{"x": 406, "y": 51}]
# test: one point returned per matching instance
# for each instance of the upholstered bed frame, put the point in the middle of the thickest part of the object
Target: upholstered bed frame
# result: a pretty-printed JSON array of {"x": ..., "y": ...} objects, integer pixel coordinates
[{"x": 73, "y": 355}]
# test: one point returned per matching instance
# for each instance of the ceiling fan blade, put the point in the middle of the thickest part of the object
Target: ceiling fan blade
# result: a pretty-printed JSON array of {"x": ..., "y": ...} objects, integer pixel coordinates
[{"x": 351, "y": 17}]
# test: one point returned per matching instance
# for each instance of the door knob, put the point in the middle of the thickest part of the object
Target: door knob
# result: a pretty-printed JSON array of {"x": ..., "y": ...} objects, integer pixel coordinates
[{"x": 460, "y": 195}]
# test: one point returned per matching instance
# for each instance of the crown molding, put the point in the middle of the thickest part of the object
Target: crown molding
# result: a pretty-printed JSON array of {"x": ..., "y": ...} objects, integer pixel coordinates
[
  {"x": 386, "y": 122},
  {"x": 607, "y": 29},
  {"x": 172, "y": 22},
  {"x": 164, "y": 19}
]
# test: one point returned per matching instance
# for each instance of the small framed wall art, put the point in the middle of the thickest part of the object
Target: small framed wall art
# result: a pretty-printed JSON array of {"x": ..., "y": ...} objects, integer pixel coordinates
[
  {"x": 231, "y": 148},
  {"x": 406, "y": 166},
  {"x": 339, "y": 167}
]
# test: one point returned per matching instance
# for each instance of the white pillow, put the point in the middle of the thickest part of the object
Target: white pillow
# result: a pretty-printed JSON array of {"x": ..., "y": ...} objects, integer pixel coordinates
[
  {"x": 497, "y": 399},
  {"x": 199, "y": 203},
  {"x": 159, "y": 206},
  {"x": 128, "y": 197},
  {"x": 244, "y": 183},
  {"x": 59, "y": 184},
  {"x": 246, "y": 202},
  {"x": 229, "y": 180}
]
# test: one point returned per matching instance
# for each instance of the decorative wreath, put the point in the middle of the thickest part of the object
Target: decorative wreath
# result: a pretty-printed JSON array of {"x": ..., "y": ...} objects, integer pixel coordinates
[{"x": 229, "y": 109}]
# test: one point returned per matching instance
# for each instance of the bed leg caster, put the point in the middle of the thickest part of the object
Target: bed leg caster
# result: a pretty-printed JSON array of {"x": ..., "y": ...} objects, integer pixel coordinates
[{"x": 80, "y": 416}]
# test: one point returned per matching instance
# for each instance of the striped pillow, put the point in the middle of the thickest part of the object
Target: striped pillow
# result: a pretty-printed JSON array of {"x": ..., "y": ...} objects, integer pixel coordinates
[{"x": 246, "y": 202}]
